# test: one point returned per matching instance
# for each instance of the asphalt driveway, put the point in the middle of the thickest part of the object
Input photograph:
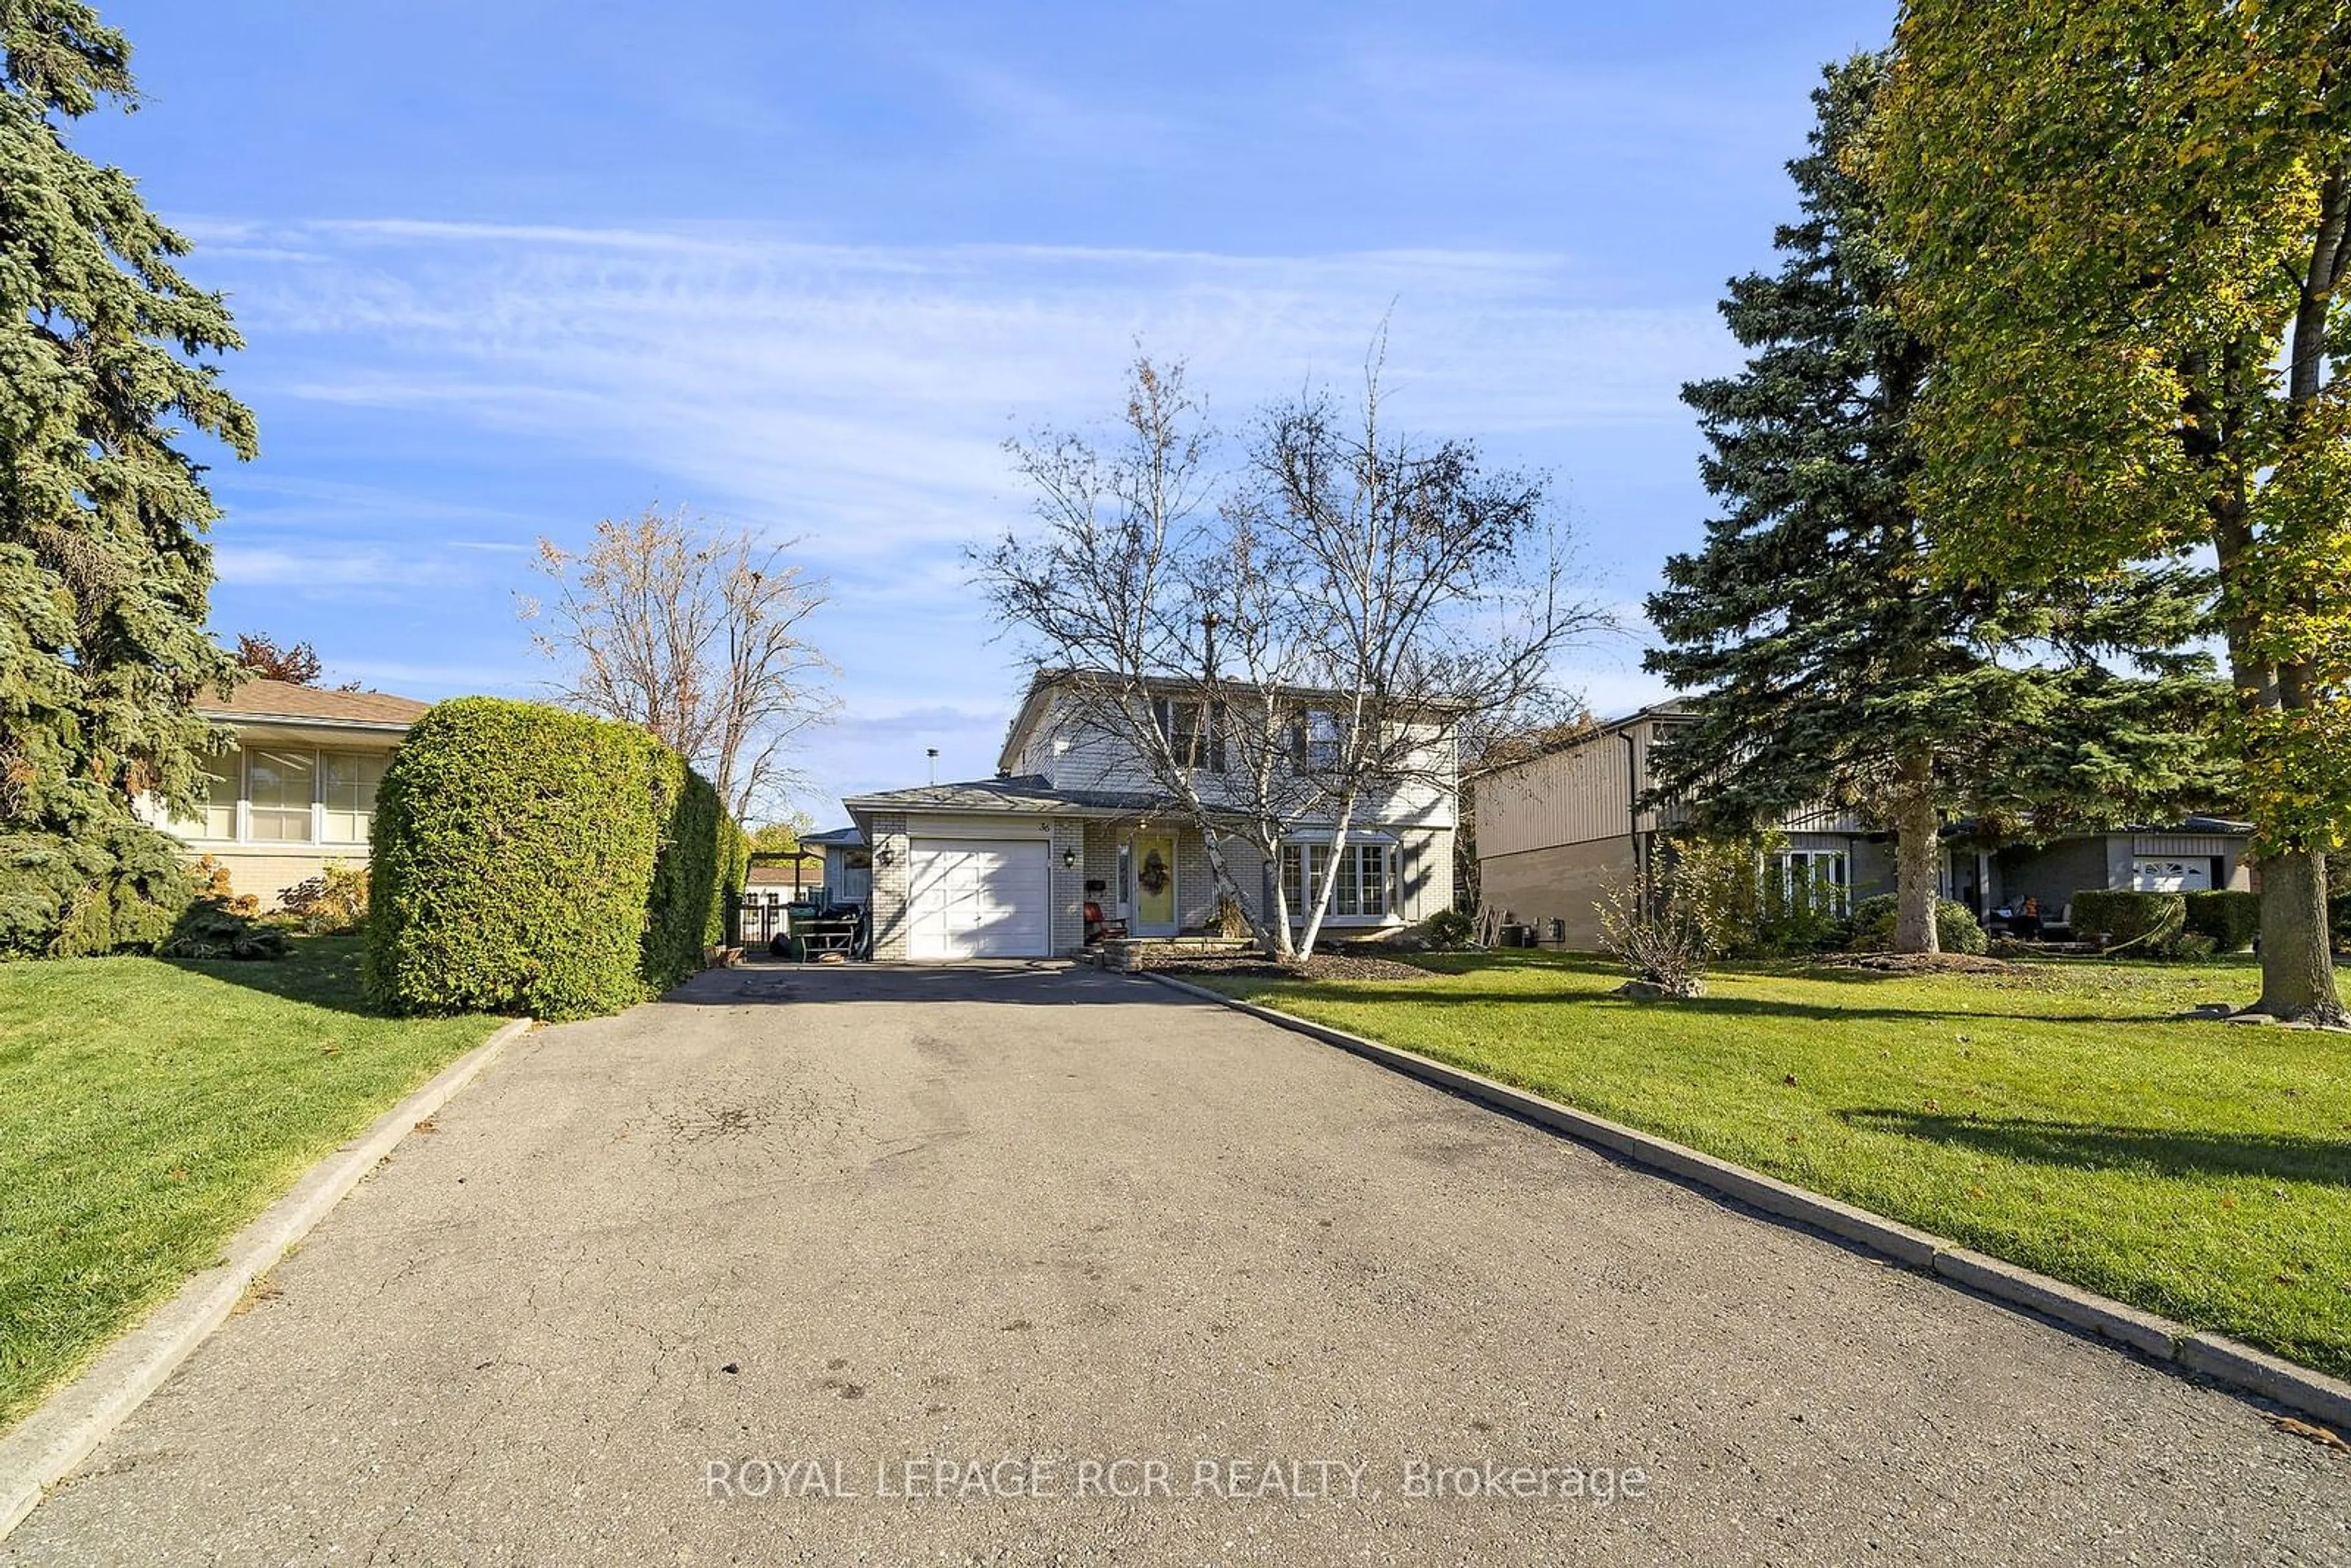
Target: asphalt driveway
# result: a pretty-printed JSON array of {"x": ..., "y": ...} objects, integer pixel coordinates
[{"x": 657, "y": 1284}]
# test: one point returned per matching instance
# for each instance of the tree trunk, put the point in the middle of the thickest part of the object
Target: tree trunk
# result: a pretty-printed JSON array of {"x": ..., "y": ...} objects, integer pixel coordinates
[
  {"x": 2297, "y": 953},
  {"x": 1918, "y": 835},
  {"x": 2297, "y": 959},
  {"x": 1272, "y": 934},
  {"x": 1328, "y": 883}
]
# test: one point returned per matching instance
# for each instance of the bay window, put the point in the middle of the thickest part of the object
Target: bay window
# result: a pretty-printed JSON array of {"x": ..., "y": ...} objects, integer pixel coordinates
[{"x": 1365, "y": 886}]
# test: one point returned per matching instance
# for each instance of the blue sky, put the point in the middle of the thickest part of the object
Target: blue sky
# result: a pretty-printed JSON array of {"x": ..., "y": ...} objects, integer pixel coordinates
[{"x": 507, "y": 268}]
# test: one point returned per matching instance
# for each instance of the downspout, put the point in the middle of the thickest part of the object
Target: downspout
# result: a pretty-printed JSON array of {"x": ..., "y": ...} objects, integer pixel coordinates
[{"x": 1633, "y": 813}]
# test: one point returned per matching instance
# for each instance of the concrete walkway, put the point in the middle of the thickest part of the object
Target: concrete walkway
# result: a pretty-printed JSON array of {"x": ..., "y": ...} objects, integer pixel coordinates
[{"x": 860, "y": 1229}]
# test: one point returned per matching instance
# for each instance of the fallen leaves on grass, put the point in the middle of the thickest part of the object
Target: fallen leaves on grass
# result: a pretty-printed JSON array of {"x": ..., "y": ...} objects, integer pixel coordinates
[{"x": 1321, "y": 967}]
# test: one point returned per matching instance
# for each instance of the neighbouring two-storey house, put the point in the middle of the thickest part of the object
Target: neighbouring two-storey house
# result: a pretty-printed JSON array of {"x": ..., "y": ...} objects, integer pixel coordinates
[
  {"x": 1554, "y": 830},
  {"x": 297, "y": 787},
  {"x": 1005, "y": 867}
]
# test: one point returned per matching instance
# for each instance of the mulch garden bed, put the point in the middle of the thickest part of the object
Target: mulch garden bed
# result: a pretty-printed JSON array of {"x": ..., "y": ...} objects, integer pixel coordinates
[{"x": 1321, "y": 967}]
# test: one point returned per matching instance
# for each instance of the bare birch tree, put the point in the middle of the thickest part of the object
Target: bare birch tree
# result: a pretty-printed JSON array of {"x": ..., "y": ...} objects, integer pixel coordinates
[
  {"x": 1281, "y": 643},
  {"x": 698, "y": 632},
  {"x": 1431, "y": 593}
]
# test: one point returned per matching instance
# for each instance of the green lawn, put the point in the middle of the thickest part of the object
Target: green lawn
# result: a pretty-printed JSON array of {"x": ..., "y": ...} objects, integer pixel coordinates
[
  {"x": 2048, "y": 1116},
  {"x": 149, "y": 1109}
]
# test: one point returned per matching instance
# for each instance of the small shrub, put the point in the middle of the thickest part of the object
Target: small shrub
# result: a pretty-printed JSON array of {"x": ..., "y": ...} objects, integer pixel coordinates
[
  {"x": 1957, "y": 929},
  {"x": 2230, "y": 920},
  {"x": 1232, "y": 921},
  {"x": 329, "y": 903},
  {"x": 1450, "y": 928},
  {"x": 216, "y": 888},
  {"x": 211, "y": 928},
  {"x": 1668, "y": 940},
  {"x": 1763, "y": 915},
  {"x": 2148, "y": 924}
]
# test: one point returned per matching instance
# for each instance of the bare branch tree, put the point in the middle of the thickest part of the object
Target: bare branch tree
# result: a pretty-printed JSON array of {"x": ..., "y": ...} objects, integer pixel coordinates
[
  {"x": 697, "y": 631},
  {"x": 1435, "y": 595},
  {"x": 1310, "y": 641}
]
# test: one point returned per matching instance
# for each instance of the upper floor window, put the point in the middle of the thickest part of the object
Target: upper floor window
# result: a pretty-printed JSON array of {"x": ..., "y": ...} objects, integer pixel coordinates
[
  {"x": 1192, "y": 731},
  {"x": 1318, "y": 740}
]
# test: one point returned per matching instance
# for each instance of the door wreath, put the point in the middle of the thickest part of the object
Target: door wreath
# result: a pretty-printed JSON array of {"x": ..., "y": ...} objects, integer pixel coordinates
[{"x": 1154, "y": 875}]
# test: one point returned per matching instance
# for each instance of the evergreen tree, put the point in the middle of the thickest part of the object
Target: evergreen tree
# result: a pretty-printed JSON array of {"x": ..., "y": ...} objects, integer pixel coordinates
[
  {"x": 1827, "y": 663},
  {"x": 104, "y": 352}
]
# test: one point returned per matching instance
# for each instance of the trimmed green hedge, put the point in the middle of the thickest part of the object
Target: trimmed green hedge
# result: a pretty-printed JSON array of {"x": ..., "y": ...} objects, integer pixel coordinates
[
  {"x": 2148, "y": 921},
  {"x": 1957, "y": 929},
  {"x": 738, "y": 876},
  {"x": 530, "y": 860},
  {"x": 2231, "y": 919}
]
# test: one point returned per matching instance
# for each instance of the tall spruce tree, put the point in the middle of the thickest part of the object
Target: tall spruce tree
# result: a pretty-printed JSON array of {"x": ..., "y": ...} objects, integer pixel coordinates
[
  {"x": 105, "y": 353},
  {"x": 1825, "y": 664}
]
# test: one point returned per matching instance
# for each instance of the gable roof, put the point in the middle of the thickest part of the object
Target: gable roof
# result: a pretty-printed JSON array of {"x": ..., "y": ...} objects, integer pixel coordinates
[{"x": 267, "y": 699}]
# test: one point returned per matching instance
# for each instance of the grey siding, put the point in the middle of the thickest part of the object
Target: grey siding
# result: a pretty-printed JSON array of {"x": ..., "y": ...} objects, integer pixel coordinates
[
  {"x": 1077, "y": 755},
  {"x": 2054, "y": 873},
  {"x": 1560, "y": 882}
]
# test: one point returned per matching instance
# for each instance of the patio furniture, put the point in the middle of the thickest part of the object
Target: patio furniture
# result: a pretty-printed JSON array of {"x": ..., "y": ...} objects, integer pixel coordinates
[
  {"x": 837, "y": 929},
  {"x": 1098, "y": 928}
]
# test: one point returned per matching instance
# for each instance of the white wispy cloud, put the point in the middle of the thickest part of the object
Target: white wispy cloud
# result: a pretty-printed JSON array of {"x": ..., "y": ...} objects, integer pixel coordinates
[
  {"x": 384, "y": 570},
  {"x": 856, "y": 396},
  {"x": 865, "y": 391}
]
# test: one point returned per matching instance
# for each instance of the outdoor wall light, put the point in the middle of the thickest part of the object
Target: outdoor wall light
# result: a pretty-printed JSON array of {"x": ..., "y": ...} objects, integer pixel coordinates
[
  {"x": 1069, "y": 860},
  {"x": 885, "y": 855}
]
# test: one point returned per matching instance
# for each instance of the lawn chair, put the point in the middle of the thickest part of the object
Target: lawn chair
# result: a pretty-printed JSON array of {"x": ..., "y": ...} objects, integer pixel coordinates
[{"x": 1100, "y": 928}]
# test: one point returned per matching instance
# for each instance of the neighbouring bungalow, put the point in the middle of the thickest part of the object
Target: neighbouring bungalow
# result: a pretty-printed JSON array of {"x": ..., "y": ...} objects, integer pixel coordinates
[
  {"x": 848, "y": 864},
  {"x": 297, "y": 789},
  {"x": 1554, "y": 830}
]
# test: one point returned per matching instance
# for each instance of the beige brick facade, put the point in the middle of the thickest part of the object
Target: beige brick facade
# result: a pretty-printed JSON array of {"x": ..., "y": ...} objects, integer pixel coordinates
[{"x": 892, "y": 932}]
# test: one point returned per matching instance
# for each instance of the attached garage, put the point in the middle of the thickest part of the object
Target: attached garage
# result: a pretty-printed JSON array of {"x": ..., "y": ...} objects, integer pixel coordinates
[{"x": 978, "y": 898}]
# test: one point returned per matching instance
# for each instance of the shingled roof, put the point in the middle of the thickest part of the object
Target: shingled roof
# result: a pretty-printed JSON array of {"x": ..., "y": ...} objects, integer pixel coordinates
[
  {"x": 1032, "y": 794},
  {"x": 265, "y": 699}
]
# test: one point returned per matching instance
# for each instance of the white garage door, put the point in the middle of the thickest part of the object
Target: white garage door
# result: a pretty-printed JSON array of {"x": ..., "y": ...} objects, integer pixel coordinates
[
  {"x": 978, "y": 900},
  {"x": 2154, "y": 875}
]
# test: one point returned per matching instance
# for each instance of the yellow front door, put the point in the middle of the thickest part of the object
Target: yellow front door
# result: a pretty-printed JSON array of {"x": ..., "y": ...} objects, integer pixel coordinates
[{"x": 1154, "y": 883}]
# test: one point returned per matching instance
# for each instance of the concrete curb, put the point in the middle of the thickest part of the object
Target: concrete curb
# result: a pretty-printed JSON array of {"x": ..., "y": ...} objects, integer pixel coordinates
[
  {"x": 45, "y": 1448},
  {"x": 2222, "y": 1359}
]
